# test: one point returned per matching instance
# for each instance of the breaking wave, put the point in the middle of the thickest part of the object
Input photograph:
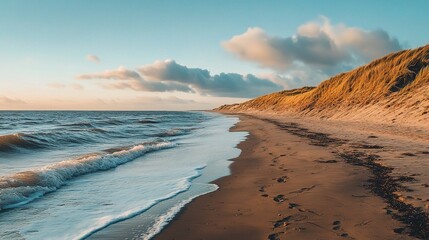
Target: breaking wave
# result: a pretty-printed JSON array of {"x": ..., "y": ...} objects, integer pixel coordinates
[
  {"x": 23, "y": 187},
  {"x": 52, "y": 138},
  {"x": 18, "y": 140}
]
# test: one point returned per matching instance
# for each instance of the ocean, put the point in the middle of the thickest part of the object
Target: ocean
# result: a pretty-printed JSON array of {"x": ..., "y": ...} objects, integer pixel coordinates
[{"x": 79, "y": 174}]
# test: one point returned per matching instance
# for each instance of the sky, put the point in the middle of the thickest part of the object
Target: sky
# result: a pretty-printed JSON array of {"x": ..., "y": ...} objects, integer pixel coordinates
[{"x": 188, "y": 54}]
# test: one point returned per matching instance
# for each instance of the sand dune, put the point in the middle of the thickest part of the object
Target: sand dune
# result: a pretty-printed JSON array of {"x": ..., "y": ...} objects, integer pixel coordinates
[{"x": 392, "y": 89}]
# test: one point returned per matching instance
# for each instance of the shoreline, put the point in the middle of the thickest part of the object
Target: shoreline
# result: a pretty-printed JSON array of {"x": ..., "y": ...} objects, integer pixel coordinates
[
  {"x": 251, "y": 139},
  {"x": 266, "y": 195},
  {"x": 188, "y": 157}
]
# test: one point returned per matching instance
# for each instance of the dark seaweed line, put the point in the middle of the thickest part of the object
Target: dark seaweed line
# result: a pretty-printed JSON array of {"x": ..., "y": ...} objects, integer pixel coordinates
[
  {"x": 385, "y": 186},
  {"x": 381, "y": 183}
]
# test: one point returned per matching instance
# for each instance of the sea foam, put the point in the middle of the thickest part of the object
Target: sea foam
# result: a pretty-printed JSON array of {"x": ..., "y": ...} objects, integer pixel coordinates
[
  {"x": 23, "y": 187},
  {"x": 164, "y": 219}
]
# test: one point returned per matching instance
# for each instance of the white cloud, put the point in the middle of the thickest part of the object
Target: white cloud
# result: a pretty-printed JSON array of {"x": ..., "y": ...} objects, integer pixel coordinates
[
  {"x": 93, "y": 58},
  {"x": 281, "y": 53},
  {"x": 366, "y": 45},
  {"x": 118, "y": 74},
  {"x": 167, "y": 76},
  {"x": 319, "y": 47}
]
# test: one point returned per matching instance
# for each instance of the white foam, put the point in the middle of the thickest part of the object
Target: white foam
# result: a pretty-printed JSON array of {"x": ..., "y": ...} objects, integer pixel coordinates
[
  {"x": 95, "y": 201},
  {"x": 164, "y": 219},
  {"x": 23, "y": 187},
  {"x": 105, "y": 221}
]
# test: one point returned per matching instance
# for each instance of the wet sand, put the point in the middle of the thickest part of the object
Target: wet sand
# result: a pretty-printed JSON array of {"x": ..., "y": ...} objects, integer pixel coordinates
[{"x": 291, "y": 182}]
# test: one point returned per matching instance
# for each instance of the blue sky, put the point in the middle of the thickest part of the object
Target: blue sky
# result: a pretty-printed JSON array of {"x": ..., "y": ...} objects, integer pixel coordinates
[{"x": 44, "y": 44}]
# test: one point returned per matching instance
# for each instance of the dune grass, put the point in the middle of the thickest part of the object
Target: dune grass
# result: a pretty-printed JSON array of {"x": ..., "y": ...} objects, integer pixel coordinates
[{"x": 392, "y": 86}]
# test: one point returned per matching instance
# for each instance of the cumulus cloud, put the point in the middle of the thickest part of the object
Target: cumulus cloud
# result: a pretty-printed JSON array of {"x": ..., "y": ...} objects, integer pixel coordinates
[
  {"x": 133, "y": 80},
  {"x": 148, "y": 86},
  {"x": 366, "y": 45},
  {"x": 92, "y": 58},
  {"x": 281, "y": 53},
  {"x": 167, "y": 76},
  {"x": 320, "y": 45},
  {"x": 118, "y": 74},
  {"x": 223, "y": 84}
]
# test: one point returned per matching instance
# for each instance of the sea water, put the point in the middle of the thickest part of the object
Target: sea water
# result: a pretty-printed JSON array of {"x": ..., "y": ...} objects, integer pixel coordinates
[{"x": 73, "y": 175}]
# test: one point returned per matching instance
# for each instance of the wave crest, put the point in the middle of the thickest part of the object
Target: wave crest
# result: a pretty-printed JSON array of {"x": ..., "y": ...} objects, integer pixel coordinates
[
  {"x": 23, "y": 187},
  {"x": 52, "y": 138},
  {"x": 174, "y": 132},
  {"x": 17, "y": 140}
]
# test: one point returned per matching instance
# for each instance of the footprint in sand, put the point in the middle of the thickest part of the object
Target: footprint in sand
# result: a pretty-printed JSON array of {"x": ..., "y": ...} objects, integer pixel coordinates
[
  {"x": 274, "y": 236},
  {"x": 282, "y": 222},
  {"x": 337, "y": 225},
  {"x": 293, "y": 205},
  {"x": 280, "y": 198},
  {"x": 282, "y": 179}
]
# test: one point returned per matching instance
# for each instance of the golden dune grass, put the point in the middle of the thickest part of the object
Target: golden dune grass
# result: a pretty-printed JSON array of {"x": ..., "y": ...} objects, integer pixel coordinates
[{"x": 393, "y": 88}]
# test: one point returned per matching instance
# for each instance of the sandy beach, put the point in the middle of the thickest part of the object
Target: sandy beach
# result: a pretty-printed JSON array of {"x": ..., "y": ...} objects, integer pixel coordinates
[
  {"x": 298, "y": 179},
  {"x": 214, "y": 120}
]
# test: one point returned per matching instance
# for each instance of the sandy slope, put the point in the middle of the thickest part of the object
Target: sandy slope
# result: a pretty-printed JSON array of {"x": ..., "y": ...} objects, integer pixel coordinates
[{"x": 392, "y": 89}]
